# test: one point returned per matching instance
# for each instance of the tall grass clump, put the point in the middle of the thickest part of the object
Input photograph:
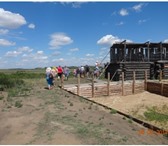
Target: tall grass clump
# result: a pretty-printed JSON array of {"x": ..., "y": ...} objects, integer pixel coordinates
[{"x": 7, "y": 81}]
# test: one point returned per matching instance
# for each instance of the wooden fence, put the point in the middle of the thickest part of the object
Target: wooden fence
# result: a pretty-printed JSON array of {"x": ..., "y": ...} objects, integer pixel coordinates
[
  {"x": 158, "y": 88},
  {"x": 108, "y": 88}
]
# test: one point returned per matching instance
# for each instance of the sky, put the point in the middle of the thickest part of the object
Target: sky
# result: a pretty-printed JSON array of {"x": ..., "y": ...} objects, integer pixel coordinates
[{"x": 42, "y": 34}]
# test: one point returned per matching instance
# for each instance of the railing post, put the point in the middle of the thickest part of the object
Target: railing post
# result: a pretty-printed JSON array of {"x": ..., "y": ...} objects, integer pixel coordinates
[
  {"x": 160, "y": 76},
  {"x": 133, "y": 83},
  {"x": 122, "y": 84},
  {"x": 62, "y": 81},
  {"x": 145, "y": 81},
  {"x": 108, "y": 85},
  {"x": 162, "y": 88},
  {"x": 93, "y": 93},
  {"x": 78, "y": 86}
]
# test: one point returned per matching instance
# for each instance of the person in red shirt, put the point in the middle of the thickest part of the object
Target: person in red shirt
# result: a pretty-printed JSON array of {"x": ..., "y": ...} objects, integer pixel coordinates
[{"x": 60, "y": 71}]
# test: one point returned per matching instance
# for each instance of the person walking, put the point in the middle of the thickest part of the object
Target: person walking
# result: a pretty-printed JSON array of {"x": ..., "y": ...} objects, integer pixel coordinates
[
  {"x": 49, "y": 78},
  {"x": 60, "y": 72},
  {"x": 66, "y": 72}
]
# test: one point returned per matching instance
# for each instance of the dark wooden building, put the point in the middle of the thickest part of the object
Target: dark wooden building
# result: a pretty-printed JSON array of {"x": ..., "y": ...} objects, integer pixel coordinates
[{"x": 129, "y": 57}]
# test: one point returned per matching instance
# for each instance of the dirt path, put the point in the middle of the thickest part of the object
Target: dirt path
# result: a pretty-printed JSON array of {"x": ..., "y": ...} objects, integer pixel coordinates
[{"x": 58, "y": 117}]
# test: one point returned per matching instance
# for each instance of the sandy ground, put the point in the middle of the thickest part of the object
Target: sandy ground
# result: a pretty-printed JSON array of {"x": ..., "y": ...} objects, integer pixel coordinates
[
  {"x": 58, "y": 117},
  {"x": 135, "y": 105}
]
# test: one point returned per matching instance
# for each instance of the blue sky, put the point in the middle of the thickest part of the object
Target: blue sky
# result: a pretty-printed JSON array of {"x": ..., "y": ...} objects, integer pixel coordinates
[{"x": 41, "y": 34}]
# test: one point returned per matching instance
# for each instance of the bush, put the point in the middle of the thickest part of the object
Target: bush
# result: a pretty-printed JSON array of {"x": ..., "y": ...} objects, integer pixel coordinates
[
  {"x": 1, "y": 97},
  {"x": 27, "y": 75},
  {"x": 18, "y": 104},
  {"x": 7, "y": 81}
]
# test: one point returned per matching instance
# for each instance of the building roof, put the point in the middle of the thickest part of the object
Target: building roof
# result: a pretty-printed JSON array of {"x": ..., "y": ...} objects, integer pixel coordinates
[{"x": 139, "y": 45}]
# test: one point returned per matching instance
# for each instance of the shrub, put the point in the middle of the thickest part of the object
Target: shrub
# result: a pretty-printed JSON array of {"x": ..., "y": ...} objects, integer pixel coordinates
[
  {"x": 18, "y": 104},
  {"x": 1, "y": 97},
  {"x": 153, "y": 115}
]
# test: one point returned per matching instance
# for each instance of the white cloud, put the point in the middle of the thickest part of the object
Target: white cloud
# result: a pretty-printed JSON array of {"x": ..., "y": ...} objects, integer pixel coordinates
[
  {"x": 89, "y": 55},
  {"x": 56, "y": 53},
  {"x": 19, "y": 51},
  {"x": 120, "y": 23},
  {"x": 73, "y": 4},
  {"x": 76, "y": 4},
  {"x": 11, "y": 20},
  {"x": 113, "y": 13},
  {"x": 25, "y": 49},
  {"x": 139, "y": 7},
  {"x": 103, "y": 49},
  {"x": 165, "y": 41},
  {"x": 33, "y": 57},
  {"x": 74, "y": 49},
  {"x": 58, "y": 60},
  {"x": 108, "y": 40},
  {"x": 59, "y": 39},
  {"x": 12, "y": 53},
  {"x": 4, "y": 31},
  {"x": 31, "y": 26},
  {"x": 142, "y": 21},
  {"x": 40, "y": 52},
  {"x": 123, "y": 12},
  {"x": 6, "y": 43},
  {"x": 24, "y": 55}
]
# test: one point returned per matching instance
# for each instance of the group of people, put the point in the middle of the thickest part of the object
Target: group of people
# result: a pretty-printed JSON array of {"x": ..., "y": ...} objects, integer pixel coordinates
[
  {"x": 53, "y": 72},
  {"x": 85, "y": 71},
  {"x": 58, "y": 72}
]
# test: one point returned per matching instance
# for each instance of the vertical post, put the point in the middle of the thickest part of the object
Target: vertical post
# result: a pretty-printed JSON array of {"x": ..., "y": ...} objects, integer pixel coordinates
[
  {"x": 161, "y": 50},
  {"x": 124, "y": 50},
  {"x": 160, "y": 76},
  {"x": 162, "y": 88},
  {"x": 62, "y": 81},
  {"x": 93, "y": 93},
  {"x": 108, "y": 85},
  {"x": 78, "y": 86},
  {"x": 145, "y": 81},
  {"x": 148, "y": 52},
  {"x": 122, "y": 83},
  {"x": 133, "y": 83}
]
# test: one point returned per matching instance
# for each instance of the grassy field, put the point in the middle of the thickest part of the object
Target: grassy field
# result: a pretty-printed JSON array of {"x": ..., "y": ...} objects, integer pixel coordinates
[{"x": 31, "y": 114}]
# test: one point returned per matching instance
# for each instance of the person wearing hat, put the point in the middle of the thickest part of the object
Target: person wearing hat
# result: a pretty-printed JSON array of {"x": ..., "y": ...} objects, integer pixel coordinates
[{"x": 49, "y": 78}]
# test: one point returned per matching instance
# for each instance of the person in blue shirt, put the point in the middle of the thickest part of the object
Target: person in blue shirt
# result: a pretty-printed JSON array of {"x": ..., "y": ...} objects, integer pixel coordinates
[{"x": 49, "y": 78}]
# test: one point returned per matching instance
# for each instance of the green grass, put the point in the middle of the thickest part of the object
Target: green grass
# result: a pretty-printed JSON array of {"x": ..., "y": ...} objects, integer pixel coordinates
[
  {"x": 18, "y": 104},
  {"x": 1, "y": 97},
  {"x": 156, "y": 114},
  {"x": 113, "y": 111}
]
